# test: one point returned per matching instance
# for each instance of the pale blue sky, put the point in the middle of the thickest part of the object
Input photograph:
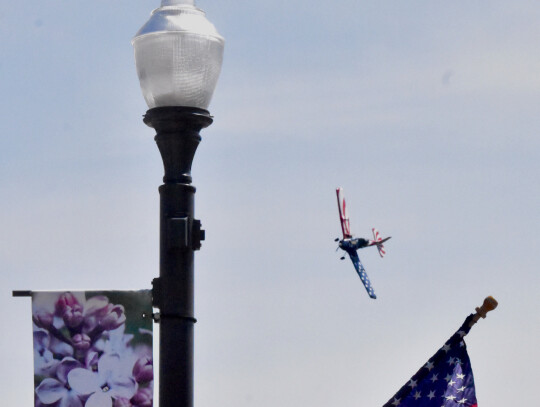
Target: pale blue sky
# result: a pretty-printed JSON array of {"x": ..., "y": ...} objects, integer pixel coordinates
[{"x": 425, "y": 112}]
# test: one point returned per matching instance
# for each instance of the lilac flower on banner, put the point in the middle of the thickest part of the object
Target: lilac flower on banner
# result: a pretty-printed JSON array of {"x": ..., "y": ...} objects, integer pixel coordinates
[
  {"x": 43, "y": 318},
  {"x": 122, "y": 402},
  {"x": 44, "y": 362},
  {"x": 98, "y": 312},
  {"x": 51, "y": 391},
  {"x": 143, "y": 398},
  {"x": 81, "y": 341},
  {"x": 45, "y": 347},
  {"x": 143, "y": 371},
  {"x": 91, "y": 360},
  {"x": 58, "y": 391},
  {"x": 70, "y": 309},
  {"x": 94, "y": 310},
  {"x": 65, "y": 301},
  {"x": 114, "y": 317},
  {"x": 117, "y": 342},
  {"x": 106, "y": 384}
]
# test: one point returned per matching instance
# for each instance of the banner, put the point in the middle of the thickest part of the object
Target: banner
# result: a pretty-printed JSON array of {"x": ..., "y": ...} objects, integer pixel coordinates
[{"x": 93, "y": 349}]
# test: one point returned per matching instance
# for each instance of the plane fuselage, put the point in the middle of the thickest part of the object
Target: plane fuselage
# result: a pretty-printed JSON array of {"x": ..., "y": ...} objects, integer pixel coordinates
[{"x": 353, "y": 244}]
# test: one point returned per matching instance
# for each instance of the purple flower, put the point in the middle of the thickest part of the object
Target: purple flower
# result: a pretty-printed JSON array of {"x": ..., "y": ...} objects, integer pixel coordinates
[
  {"x": 60, "y": 348},
  {"x": 45, "y": 347},
  {"x": 65, "y": 301},
  {"x": 58, "y": 391},
  {"x": 73, "y": 316},
  {"x": 70, "y": 309},
  {"x": 105, "y": 385},
  {"x": 91, "y": 359},
  {"x": 122, "y": 402},
  {"x": 51, "y": 391},
  {"x": 94, "y": 309},
  {"x": 66, "y": 366},
  {"x": 143, "y": 398},
  {"x": 43, "y": 318},
  {"x": 81, "y": 342},
  {"x": 98, "y": 312},
  {"x": 44, "y": 362},
  {"x": 143, "y": 371},
  {"x": 114, "y": 317},
  {"x": 116, "y": 342}
]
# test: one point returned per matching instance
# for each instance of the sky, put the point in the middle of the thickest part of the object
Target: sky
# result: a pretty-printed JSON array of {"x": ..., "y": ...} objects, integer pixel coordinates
[{"x": 426, "y": 113}]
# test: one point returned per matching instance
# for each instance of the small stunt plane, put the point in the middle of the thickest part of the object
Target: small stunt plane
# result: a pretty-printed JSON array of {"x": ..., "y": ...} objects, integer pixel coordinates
[{"x": 351, "y": 245}]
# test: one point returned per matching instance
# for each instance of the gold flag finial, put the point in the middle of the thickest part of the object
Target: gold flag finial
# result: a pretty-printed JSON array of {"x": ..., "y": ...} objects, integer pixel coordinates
[{"x": 489, "y": 304}]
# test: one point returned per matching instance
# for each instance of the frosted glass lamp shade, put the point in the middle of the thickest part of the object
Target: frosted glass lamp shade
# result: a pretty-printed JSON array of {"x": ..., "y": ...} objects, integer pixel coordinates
[{"x": 178, "y": 54}]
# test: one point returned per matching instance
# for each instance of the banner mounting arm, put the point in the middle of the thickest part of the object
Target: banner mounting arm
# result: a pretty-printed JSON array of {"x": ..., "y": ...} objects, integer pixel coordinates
[{"x": 21, "y": 293}]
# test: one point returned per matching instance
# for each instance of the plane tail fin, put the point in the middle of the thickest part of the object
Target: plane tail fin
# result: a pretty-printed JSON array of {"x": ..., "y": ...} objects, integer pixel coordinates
[{"x": 378, "y": 241}]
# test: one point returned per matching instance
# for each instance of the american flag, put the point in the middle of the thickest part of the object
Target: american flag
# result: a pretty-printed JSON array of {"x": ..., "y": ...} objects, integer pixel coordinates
[{"x": 446, "y": 380}]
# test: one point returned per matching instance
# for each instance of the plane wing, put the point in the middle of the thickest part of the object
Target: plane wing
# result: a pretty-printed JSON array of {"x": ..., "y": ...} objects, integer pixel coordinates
[
  {"x": 343, "y": 215},
  {"x": 362, "y": 274}
]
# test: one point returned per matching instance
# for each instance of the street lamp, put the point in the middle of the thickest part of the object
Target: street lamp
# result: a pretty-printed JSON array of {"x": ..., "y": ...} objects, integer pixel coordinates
[{"x": 178, "y": 54}]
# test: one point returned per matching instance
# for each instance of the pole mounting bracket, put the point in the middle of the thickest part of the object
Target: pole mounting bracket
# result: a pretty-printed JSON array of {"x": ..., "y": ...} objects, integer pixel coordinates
[{"x": 184, "y": 233}]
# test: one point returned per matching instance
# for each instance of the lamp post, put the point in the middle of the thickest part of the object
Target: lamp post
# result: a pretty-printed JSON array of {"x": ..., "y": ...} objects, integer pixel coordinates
[{"x": 178, "y": 54}]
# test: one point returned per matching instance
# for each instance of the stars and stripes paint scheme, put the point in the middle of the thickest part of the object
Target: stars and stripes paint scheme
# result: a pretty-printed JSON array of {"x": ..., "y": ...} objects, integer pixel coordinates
[
  {"x": 362, "y": 274},
  {"x": 377, "y": 241},
  {"x": 446, "y": 380},
  {"x": 343, "y": 215},
  {"x": 351, "y": 245}
]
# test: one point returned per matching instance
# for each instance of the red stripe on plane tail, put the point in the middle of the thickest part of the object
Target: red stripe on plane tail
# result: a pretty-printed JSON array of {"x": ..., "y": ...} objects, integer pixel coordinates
[
  {"x": 377, "y": 238},
  {"x": 343, "y": 216}
]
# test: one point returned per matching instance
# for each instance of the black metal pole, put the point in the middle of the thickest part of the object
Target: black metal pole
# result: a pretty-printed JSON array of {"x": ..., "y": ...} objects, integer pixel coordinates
[{"x": 177, "y": 137}]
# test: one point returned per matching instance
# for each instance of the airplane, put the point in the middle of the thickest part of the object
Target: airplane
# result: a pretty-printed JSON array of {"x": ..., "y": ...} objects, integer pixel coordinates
[{"x": 350, "y": 244}]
